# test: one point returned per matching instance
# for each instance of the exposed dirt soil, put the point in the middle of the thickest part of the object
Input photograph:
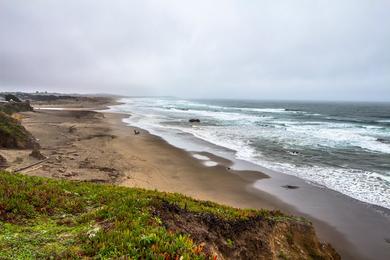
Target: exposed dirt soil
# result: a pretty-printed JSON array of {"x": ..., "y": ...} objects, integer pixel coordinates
[{"x": 252, "y": 238}]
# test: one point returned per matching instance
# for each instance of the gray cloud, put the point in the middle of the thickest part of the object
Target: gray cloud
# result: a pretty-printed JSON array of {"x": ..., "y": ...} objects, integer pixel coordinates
[{"x": 247, "y": 49}]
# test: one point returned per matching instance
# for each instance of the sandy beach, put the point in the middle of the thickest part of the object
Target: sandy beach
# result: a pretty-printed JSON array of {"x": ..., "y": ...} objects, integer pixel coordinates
[{"x": 81, "y": 143}]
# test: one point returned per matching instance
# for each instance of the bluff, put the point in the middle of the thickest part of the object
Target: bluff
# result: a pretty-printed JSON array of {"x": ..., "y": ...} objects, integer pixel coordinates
[{"x": 60, "y": 219}]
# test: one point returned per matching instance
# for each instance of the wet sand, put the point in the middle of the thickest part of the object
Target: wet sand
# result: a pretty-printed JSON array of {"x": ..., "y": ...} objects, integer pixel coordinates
[{"x": 102, "y": 148}]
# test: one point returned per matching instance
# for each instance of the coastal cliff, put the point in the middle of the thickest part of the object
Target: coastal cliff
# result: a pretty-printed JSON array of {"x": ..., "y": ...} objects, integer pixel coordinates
[{"x": 43, "y": 218}]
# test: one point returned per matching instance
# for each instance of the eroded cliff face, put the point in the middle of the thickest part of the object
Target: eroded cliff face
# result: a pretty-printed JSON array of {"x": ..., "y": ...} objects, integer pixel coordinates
[{"x": 273, "y": 237}]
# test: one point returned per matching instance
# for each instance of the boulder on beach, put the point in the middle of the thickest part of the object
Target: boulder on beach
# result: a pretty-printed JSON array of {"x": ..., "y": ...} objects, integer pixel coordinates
[{"x": 194, "y": 120}]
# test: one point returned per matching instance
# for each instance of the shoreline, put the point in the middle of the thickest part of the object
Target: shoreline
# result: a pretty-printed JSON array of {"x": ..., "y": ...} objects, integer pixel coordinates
[
  {"x": 149, "y": 161},
  {"x": 336, "y": 216},
  {"x": 235, "y": 188}
]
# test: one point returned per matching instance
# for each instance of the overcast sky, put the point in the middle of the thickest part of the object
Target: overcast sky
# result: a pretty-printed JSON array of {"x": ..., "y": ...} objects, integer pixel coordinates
[{"x": 301, "y": 49}]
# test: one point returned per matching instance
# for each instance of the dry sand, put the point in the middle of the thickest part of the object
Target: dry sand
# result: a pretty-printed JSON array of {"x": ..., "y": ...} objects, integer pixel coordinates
[{"x": 98, "y": 147}]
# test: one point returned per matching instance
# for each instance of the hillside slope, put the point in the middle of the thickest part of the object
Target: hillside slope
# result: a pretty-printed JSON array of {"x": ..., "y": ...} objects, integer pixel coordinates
[
  {"x": 14, "y": 135},
  {"x": 41, "y": 218}
]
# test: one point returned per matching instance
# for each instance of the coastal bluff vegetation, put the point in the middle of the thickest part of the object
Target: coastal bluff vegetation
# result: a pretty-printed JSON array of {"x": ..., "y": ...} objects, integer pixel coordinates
[
  {"x": 86, "y": 215},
  {"x": 12, "y": 132},
  {"x": 47, "y": 218}
]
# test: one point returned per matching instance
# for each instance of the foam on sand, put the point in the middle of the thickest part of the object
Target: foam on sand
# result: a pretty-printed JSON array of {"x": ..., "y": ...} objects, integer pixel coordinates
[{"x": 205, "y": 160}]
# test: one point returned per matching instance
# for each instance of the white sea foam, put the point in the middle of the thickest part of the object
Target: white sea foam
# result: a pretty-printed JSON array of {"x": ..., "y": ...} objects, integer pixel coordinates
[
  {"x": 362, "y": 185},
  {"x": 201, "y": 157},
  {"x": 210, "y": 163},
  {"x": 205, "y": 160}
]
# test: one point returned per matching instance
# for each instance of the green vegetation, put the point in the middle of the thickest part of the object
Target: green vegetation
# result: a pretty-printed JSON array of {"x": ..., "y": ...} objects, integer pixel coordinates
[
  {"x": 13, "y": 134},
  {"x": 41, "y": 218},
  {"x": 60, "y": 219},
  {"x": 229, "y": 242},
  {"x": 10, "y": 126},
  {"x": 11, "y": 97},
  {"x": 12, "y": 107}
]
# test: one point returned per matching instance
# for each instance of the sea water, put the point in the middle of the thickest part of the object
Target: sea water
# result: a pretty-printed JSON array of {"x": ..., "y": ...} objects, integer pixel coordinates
[{"x": 342, "y": 146}]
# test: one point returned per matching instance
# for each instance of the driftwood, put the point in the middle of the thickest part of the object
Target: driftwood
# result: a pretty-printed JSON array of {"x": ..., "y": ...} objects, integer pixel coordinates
[{"x": 29, "y": 166}]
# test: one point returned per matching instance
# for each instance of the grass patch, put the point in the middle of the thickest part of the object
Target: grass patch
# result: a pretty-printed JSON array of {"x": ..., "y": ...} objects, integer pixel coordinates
[{"x": 41, "y": 218}]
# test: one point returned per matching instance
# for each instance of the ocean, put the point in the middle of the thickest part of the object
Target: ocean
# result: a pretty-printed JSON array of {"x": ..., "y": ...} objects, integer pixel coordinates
[{"x": 342, "y": 146}]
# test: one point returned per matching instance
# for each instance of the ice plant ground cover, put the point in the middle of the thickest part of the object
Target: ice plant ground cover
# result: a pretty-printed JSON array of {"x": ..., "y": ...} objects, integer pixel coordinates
[{"x": 43, "y": 218}]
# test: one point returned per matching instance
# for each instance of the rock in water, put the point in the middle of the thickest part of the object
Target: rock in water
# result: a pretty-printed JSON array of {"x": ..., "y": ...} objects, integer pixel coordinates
[
  {"x": 194, "y": 120},
  {"x": 382, "y": 140}
]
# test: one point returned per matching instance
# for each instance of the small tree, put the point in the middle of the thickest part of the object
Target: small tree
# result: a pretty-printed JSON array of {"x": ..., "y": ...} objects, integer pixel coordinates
[{"x": 10, "y": 97}]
